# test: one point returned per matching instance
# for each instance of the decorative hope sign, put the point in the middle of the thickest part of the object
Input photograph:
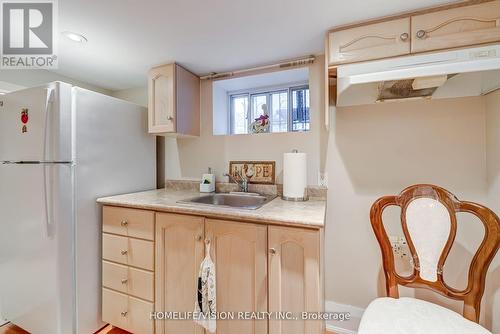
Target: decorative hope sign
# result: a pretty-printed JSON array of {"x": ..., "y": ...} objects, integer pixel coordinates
[{"x": 257, "y": 172}]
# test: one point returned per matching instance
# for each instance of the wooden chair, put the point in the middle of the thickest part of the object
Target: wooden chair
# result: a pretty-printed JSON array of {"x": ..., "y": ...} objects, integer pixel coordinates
[{"x": 429, "y": 222}]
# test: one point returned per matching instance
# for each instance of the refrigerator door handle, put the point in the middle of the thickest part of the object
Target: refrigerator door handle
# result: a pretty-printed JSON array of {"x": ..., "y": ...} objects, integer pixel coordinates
[
  {"x": 47, "y": 200},
  {"x": 36, "y": 162},
  {"x": 48, "y": 103},
  {"x": 46, "y": 174}
]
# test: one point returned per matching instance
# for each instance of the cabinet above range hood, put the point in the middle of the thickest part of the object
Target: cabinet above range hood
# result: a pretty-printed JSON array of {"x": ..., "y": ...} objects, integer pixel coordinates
[{"x": 458, "y": 73}]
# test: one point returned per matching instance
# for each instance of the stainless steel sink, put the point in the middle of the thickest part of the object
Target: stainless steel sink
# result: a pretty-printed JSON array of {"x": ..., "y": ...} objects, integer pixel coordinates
[{"x": 249, "y": 201}]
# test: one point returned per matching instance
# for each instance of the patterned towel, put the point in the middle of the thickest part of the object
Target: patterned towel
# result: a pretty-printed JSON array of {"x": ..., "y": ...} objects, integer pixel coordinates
[{"x": 206, "y": 306}]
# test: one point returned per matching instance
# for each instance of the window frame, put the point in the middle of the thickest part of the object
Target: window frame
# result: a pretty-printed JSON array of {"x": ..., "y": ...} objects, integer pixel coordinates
[
  {"x": 231, "y": 114},
  {"x": 290, "y": 110},
  {"x": 267, "y": 91}
]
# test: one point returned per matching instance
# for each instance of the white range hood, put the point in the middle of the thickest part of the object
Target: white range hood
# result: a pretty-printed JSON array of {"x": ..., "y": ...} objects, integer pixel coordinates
[{"x": 466, "y": 72}]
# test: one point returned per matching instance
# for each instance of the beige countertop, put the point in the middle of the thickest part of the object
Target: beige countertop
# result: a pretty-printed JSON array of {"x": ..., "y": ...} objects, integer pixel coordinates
[{"x": 304, "y": 214}]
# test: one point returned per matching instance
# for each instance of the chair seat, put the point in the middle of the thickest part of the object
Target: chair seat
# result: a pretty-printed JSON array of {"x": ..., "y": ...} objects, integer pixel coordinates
[{"x": 414, "y": 316}]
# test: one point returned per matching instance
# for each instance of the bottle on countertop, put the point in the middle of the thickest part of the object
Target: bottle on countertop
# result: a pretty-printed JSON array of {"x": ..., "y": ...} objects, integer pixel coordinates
[{"x": 207, "y": 184}]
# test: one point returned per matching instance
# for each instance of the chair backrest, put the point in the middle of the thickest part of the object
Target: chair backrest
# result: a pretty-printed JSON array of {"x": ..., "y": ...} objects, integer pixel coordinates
[{"x": 429, "y": 222}]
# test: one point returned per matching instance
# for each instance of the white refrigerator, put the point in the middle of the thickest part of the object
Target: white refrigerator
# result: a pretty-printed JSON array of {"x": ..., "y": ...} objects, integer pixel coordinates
[{"x": 62, "y": 147}]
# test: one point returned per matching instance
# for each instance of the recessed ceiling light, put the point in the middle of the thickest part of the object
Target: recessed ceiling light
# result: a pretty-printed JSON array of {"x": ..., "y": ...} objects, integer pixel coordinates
[{"x": 75, "y": 37}]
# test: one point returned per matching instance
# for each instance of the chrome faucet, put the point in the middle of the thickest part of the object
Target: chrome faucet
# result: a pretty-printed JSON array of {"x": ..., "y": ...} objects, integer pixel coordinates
[{"x": 242, "y": 182}]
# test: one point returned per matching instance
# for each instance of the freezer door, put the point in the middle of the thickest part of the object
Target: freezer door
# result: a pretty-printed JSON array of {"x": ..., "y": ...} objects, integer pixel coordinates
[
  {"x": 35, "y": 124},
  {"x": 36, "y": 247}
]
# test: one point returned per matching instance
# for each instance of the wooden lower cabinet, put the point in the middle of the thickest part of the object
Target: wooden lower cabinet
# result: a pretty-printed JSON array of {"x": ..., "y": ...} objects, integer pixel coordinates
[
  {"x": 294, "y": 278},
  {"x": 179, "y": 252},
  {"x": 260, "y": 268},
  {"x": 239, "y": 251}
]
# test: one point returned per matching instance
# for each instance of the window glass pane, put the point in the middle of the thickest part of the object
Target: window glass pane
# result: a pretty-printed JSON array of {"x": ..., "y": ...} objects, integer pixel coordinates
[
  {"x": 300, "y": 109},
  {"x": 279, "y": 111},
  {"x": 259, "y": 107},
  {"x": 239, "y": 109}
]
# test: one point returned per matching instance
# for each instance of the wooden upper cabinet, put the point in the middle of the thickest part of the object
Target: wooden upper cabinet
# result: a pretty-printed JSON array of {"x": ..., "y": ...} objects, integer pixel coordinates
[
  {"x": 457, "y": 27},
  {"x": 239, "y": 251},
  {"x": 179, "y": 253},
  {"x": 174, "y": 101},
  {"x": 373, "y": 41},
  {"x": 294, "y": 278}
]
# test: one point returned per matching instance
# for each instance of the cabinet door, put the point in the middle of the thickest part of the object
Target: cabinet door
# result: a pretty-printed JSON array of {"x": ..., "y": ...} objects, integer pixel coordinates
[
  {"x": 374, "y": 41},
  {"x": 456, "y": 27},
  {"x": 294, "y": 278},
  {"x": 239, "y": 253},
  {"x": 161, "y": 108},
  {"x": 179, "y": 252}
]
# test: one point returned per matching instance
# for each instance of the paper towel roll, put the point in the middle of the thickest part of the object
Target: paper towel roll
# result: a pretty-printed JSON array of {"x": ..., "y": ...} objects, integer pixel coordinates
[{"x": 295, "y": 176}]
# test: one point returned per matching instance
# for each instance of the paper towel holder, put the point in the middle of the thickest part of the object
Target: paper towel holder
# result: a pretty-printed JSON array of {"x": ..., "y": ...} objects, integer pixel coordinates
[{"x": 296, "y": 199}]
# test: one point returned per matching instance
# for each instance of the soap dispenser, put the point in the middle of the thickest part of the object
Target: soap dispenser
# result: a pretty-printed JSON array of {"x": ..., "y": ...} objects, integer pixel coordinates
[{"x": 207, "y": 184}]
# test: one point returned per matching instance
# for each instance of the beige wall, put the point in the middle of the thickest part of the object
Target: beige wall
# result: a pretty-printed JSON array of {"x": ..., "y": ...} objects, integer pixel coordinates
[
  {"x": 492, "y": 295},
  {"x": 188, "y": 158},
  {"x": 138, "y": 95},
  {"x": 380, "y": 149}
]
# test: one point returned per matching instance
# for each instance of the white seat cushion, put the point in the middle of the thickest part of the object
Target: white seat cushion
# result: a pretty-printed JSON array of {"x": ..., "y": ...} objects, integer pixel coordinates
[{"x": 414, "y": 316}]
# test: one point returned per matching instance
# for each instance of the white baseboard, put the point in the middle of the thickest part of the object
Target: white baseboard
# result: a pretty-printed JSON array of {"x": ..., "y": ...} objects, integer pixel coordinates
[
  {"x": 344, "y": 327},
  {"x": 339, "y": 330},
  {"x": 331, "y": 306}
]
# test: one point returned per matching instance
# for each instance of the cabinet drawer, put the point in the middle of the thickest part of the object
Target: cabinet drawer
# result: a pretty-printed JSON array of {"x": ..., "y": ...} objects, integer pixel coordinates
[
  {"x": 134, "y": 282},
  {"x": 113, "y": 304},
  {"x": 374, "y": 41},
  {"x": 456, "y": 27},
  {"x": 127, "y": 312},
  {"x": 128, "y": 222},
  {"x": 129, "y": 251}
]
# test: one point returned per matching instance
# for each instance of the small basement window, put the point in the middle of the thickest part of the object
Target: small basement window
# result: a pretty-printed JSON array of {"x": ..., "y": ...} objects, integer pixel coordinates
[
  {"x": 267, "y": 103},
  {"x": 286, "y": 109}
]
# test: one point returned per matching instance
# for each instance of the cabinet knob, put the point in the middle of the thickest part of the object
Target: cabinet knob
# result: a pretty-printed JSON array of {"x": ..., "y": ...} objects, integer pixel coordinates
[
  {"x": 124, "y": 313},
  {"x": 124, "y": 281},
  {"x": 404, "y": 36},
  {"x": 124, "y": 252},
  {"x": 124, "y": 223},
  {"x": 170, "y": 118},
  {"x": 421, "y": 34},
  {"x": 272, "y": 251},
  {"x": 199, "y": 238}
]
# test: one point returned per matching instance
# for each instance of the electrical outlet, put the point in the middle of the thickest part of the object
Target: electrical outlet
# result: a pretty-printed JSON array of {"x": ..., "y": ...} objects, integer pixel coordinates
[
  {"x": 399, "y": 247},
  {"x": 323, "y": 179}
]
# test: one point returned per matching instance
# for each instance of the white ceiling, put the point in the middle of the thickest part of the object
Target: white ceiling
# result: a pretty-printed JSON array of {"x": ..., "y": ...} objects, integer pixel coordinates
[{"x": 127, "y": 37}]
